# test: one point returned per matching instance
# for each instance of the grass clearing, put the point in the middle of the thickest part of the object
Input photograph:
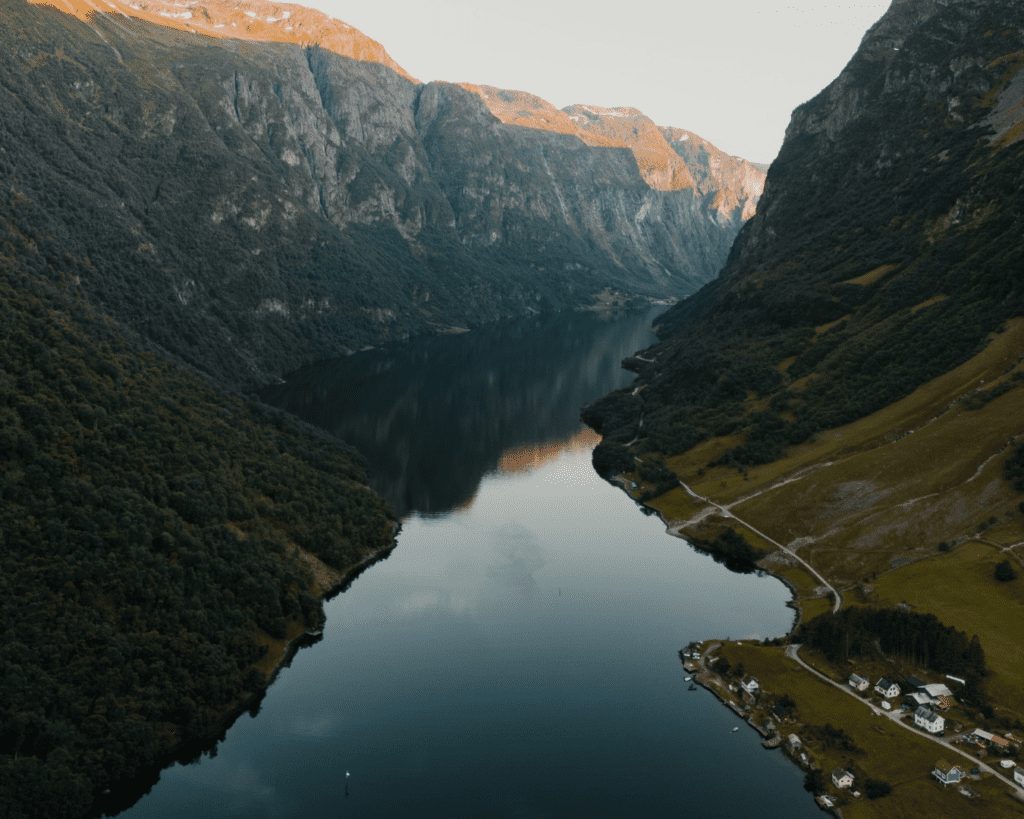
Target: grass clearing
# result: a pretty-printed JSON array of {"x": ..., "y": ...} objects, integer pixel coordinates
[
  {"x": 821, "y": 329},
  {"x": 784, "y": 365},
  {"x": 676, "y": 505},
  {"x": 872, "y": 276},
  {"x": 888, "y": 488},
  {"x": 917, "y": 308}
]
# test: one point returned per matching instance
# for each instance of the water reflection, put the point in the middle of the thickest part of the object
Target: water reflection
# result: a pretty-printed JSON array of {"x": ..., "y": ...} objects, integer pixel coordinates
[
  {"x": 434, "y": 416},
  {"x": 518, "y": 656}
]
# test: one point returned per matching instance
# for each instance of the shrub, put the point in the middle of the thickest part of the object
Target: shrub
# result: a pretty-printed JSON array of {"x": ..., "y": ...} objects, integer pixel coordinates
[{"x": 877, "y": 788}]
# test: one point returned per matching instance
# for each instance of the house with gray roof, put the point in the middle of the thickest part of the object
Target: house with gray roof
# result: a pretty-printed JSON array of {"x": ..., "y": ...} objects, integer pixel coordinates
[
  {"x": 946, "y": 773},
  {"x": 926, "y": 718}
]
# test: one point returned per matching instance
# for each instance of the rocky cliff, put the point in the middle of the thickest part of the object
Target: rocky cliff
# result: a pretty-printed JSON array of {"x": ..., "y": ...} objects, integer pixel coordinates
[
  {"x": 252, "y": 186},
  {"x": 669, "y": 159},
  {"x": 885, "y": 251}
]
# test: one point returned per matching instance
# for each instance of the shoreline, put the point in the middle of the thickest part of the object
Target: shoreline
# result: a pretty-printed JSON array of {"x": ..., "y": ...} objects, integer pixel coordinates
[
  {"x": 772, "y": 735},
  {"x": 122, "y": 796},
  {"x": 700, "y": 674},
  {"x": 792, "y": 603}
]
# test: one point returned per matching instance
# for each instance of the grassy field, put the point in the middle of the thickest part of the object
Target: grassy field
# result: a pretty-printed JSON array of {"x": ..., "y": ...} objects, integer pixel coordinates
[
  {"x": 676, "y": 505},
  {"x": 884, "y": 751},
  {"x": 960, "y": 587},
  {"x": 884, "y": 491}
]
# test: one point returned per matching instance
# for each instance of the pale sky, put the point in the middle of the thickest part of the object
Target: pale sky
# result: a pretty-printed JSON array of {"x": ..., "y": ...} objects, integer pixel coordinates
[{"x": 730, "y": 70}]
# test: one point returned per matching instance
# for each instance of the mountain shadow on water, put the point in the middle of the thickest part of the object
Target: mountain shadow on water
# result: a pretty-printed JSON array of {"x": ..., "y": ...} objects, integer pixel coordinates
[{"x": 434, "y": 417}]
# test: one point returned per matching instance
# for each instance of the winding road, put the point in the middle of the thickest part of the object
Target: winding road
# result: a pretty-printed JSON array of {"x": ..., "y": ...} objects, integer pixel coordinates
[
  {"x": 837, "y": 598},
  {"x": 793, "y": 652}
]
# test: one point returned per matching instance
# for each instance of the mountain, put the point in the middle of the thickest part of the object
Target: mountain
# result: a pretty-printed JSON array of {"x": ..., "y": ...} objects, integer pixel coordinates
[
  {"x": 161, "y": 544},
  {"x": 253, "y": 186},
  {"x": 669, "y": 159},
  {"x": 886, "y": 249},
  {"x": 195, "y": 198},
  {"x": 252, "y": 20},
  {"x": 844, "y": 404}
]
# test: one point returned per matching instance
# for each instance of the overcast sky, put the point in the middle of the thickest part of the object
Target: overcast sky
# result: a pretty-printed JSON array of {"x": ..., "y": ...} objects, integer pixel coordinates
[{"x": 731, "y": 70}]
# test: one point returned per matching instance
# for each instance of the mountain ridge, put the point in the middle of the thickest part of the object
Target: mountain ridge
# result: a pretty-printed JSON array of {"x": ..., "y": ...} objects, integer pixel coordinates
[
  {"x": 661, "y": 153},
  {"x": 254, "y": 20},
  {"x": 899, "y": 157},
  {"x": 290, "y": 204}
]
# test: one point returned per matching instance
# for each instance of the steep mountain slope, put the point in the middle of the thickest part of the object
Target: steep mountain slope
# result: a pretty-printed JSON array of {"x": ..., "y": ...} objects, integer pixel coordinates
[
  {"x": 252, "y": 205},
  {"x": 849, "y": 395},
  {"x": 886, "y": 249},
  {"x": 160, "y": 541},
  {"x": 669, "y": 159},
  {"x": 845, "y": 403}
]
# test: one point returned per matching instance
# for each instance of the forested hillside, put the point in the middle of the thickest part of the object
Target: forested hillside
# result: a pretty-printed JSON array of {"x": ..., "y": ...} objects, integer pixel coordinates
[{"x": 155, "y": 536}]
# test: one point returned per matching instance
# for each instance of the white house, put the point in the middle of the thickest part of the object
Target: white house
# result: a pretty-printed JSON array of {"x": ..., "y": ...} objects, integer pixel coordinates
[
  {"x": 858, "y": 683},
  {"x": 925, "y": 718},
  {"x": 947, "y": 774},
  {"x": 751, "y": 686},
  {"x": 794, "y": 742},
  {"x": 842, "y": 779},
  {"x": 887, "y": 688},
  {"x": 1018, "y": 776}
]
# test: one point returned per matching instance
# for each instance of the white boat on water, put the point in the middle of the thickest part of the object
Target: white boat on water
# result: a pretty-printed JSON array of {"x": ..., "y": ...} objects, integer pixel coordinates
[
  {"x": 689, "y": 679},
  {"x": 735, "y": 729}
]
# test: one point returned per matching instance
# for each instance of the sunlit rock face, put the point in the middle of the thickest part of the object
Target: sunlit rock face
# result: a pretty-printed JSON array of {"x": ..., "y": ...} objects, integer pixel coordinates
[
  {"x": 274, "y": 189},
  {"x": 242, "y": 20},
  {"x": 668, "y": 159}
]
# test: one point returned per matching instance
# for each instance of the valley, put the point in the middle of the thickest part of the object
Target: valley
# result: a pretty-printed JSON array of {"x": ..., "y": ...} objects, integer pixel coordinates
[
  {"x": 194, "y": 202},
  {"x": 279, "y": 315}
]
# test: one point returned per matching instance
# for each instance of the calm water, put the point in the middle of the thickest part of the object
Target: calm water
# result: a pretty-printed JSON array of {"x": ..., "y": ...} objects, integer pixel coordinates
[{"x": 516, "y": 655}]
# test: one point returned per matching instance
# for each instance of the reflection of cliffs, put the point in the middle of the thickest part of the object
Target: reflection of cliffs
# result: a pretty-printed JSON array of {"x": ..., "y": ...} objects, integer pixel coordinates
[
  {"x": 434, "y": 418},
  {"x": 531, "y": 456}
]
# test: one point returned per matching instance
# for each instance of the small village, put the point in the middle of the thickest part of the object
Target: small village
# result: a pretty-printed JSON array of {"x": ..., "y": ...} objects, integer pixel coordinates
[{"x": 971, "y": 756}]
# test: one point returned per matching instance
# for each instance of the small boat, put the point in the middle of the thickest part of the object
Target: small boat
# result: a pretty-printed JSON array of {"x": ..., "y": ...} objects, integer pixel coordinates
[
  {"x": 693, "y": 687},
  {"x": 735, "y": 729},
  {"x": 688, "y": 679}
]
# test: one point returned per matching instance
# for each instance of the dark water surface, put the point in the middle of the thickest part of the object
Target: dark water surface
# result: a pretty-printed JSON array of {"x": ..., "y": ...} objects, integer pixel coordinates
[{"x": 516, "y": 655}]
